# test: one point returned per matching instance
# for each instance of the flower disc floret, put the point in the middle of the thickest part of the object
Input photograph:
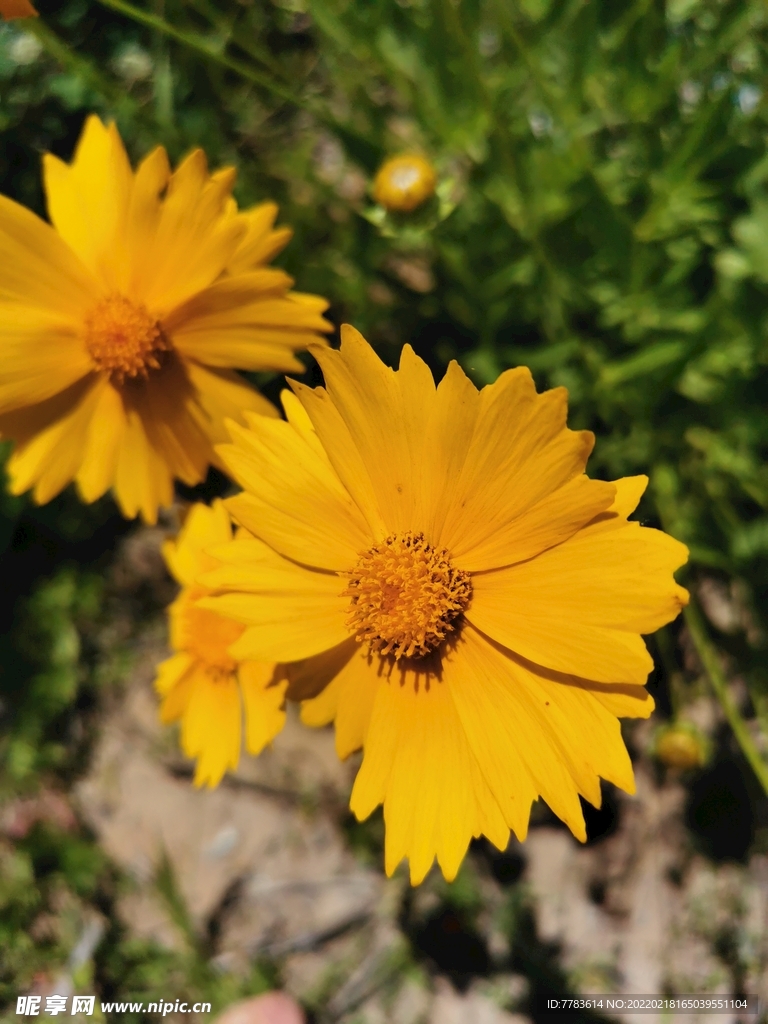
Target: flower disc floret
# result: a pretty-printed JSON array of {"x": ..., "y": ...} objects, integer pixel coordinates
[
  {"x": 406, "y": 596},
  {"x": 124, "y": 339}
]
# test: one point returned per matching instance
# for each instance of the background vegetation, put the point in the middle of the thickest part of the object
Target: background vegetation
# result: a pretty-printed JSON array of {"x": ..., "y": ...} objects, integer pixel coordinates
[{"x": 601, "y": 216}]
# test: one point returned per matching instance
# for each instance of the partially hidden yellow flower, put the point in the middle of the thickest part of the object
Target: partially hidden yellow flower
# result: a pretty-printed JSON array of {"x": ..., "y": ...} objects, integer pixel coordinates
[
  {"x": 201, "y": 683},
  {"x": 404, "y": 182},
  {"x": 17, "y": 9},
  {"x": 120, "y": 323},
  {"x": 454, "y": 592}
]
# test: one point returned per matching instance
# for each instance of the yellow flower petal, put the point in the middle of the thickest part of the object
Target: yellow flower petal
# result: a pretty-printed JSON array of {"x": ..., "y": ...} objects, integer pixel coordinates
[
  {"x": 169, "y": 674},
  {"x": 263, "y": 698},
  {"x": 174, "y": 417},
  {"x": 404, "y": 470},
  {"x": 540, "y": 634},
  {"x": 246, "y": 322},
  {"x": 520, "y": 452},
  {"x": 444, "y": 436},
  {"x": 277, "y": 467},
  {"x": 522, "y": 721},
  {"x": 260, "y": 243},
  {"x": 192, "y": 241},
  {"x": 175, "y": 702},
  {"x": 297, "y": 416},
  {"x": 595, "y": 593},
  {"x": 348, "y": 697},
  {"x": 342, "y": 453},
  {"x": 166, "y": 404},
  {"x": 102, "y": 445},
  {"x": 238, "y": 298},
  {"x": 211, "y": 727},
  {"x": 144, "y": 214},
  {"x": 499, "y": 742},
  {"x": 187, "y": 556},
  {"x": 417, "y": 762},
  {"x": 142, "y": 480},
  {"x": 309, "y": 677},
  {"x": 39, "y": 270},
  {"x": 389, "y": 442},
  {"x": 50, "y": 439},
  {"x": 629, "y": 491},
  {"x": 621, "y": 700},
  {"x": 223, "y": 395},
  {"x": 292, "y": 612},
  {"x": 134, "y": 440},
  {"x": 553, "y": 520},
  {"x": 88, "y": 199},
  {"x": 41, "y": 356}
]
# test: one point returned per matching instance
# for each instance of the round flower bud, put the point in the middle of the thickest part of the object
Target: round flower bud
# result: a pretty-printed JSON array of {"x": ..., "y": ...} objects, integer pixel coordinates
[
  {"x": 404, "y": 182},
  {"x": 681, "y": 745}
]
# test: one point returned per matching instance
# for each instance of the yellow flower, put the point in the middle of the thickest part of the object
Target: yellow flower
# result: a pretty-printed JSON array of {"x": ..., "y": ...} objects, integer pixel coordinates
[
  {"x": 119, "y": 323},
  {"x": 461, "y": 599},
  {"x": 202, "y": 684},
  {"x": 404, "y": 182},
  {"x": 17, "y": 9}
]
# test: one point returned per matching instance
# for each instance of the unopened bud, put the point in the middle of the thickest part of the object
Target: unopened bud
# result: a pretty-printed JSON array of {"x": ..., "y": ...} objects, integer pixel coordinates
[
  {"x": 404, "y": 182},
  {"x": 681, "y": 745}
]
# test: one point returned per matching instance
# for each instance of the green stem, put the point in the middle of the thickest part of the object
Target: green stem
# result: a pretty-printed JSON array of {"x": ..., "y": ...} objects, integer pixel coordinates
[{"x": 711, "y": 662}]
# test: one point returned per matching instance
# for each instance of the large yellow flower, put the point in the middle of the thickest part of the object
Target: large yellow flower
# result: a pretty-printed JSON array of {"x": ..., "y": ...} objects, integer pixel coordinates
[
  {"x": 119, "y": 323},
  {"x": 467, "y": 605},
  {"x": 202, "y": 684}
]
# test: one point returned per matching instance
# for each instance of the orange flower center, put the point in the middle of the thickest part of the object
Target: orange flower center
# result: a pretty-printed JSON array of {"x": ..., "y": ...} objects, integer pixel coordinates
[
  {"x": 209, "y": 637},
  {"x": 124, "y": 339},
  {"x": 406, "y": 596}
]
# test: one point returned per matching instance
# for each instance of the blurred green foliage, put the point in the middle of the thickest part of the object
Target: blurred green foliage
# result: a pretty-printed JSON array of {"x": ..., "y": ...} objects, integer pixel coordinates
[
  {"x": 41, "y": 672},
  {"x": 602, "y": 217}
]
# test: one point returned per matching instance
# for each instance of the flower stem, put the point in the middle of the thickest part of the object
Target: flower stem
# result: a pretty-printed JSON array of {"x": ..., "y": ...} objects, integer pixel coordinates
[{"x": 707, "y": 652}]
